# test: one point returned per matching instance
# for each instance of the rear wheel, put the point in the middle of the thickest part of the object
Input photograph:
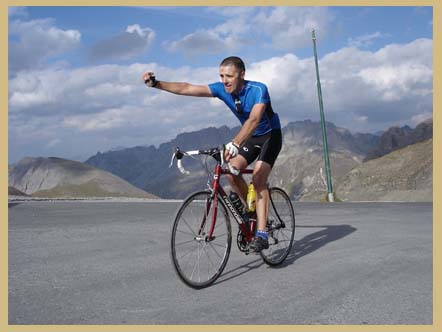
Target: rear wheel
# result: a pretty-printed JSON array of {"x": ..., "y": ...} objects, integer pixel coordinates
[
  {"x": 198, "y": 259},
  {"x": 280, "y": 227}
]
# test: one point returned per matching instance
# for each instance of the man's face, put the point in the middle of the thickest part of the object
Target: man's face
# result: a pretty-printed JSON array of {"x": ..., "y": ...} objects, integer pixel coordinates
[{"x": 232, "y": 78}]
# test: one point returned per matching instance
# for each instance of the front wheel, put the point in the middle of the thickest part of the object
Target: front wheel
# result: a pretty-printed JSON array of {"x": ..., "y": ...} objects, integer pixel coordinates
[
  {"x": 280, "y": 227},
  {"x": 198, "y": 259}
]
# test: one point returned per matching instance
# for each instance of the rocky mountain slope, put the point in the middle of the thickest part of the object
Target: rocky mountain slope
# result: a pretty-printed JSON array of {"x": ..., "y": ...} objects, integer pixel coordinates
[
  {"x": 403, "y": 175},
  {"x": 15, "y": 192},
  {"x": 148, "y": 167},
  {"x": 298, "y": 168},
  {"x": 56, "y": 177},
  {"x": 399, "y": 137}
]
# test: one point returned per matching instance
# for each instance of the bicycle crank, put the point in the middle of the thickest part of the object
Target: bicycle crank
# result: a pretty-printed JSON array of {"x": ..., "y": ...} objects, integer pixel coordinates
[{"x": 241, "y": 241}]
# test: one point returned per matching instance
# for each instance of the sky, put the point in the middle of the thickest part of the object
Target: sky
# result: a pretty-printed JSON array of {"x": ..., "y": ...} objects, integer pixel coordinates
[{"x": 75, "y": 88}]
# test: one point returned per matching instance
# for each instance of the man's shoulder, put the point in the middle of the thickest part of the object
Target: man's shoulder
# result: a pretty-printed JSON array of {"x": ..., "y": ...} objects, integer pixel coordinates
[
  {"x": 255, "y": 84},
  {"x": 257, "y": 88},
  {"x": 217, "y": 89},
  {"x": 215, "y": 85}
]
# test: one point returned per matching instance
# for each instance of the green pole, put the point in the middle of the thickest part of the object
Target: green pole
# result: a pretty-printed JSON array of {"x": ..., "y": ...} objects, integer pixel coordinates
[{"x": 324, "y": 132}]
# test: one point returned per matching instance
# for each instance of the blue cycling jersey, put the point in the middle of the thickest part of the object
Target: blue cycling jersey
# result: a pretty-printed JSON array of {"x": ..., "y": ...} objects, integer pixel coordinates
[{"x": 252, "y": 93}]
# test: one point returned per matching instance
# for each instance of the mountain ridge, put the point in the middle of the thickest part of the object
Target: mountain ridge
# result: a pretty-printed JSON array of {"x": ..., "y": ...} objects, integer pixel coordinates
[
  {"x": 58, "y": 177},
  {"x": 397, "y": 137},
  {"x": 150, "y": 171},
  {"x": 299, "y": 168},
  {"x": 394, "y": 176}
]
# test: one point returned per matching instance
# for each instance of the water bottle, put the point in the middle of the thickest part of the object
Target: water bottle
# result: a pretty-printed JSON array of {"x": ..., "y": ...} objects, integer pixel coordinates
[
  {"x": 251, "y": 198},
  {"x": 236, "y": 202}
]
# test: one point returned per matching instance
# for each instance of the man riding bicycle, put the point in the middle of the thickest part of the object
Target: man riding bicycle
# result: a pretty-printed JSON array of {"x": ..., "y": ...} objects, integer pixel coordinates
[{"x": 259, "y": 137}]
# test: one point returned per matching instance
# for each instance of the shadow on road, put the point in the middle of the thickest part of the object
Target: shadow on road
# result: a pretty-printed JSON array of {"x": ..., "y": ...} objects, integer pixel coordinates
[
  {"x": 317, "y": 240},
  {"x": 303, "y": 247},
  {"x": 240, "y": 270},
  {"x": 10, "y": 205}
]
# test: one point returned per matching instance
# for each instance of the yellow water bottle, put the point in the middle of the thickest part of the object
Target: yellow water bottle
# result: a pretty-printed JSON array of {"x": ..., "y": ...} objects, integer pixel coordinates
[{"x": 251, "y": 198}]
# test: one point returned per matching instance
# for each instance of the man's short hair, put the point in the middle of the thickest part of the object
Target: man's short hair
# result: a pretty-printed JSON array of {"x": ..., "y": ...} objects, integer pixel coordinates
[{"x": 234, "y": 61}]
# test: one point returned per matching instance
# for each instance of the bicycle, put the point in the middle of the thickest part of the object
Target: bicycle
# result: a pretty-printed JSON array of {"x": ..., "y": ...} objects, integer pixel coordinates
[{"x": 202, "y": 234}]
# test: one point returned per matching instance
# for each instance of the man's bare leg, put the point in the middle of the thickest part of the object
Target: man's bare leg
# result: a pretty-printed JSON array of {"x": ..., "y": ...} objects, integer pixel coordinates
[{"x": 237, "y": 182}]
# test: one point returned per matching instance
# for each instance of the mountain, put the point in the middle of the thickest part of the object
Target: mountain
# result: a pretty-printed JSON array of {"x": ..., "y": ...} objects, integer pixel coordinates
[
  {"x": 148, "y": 167},
  {"x": 402, "y": 175},
  {"x": 56, "y": 177},
  {"x": 298, "y": 168},
  {"x": 309, "y": 134},
  {"x": 399, "y": 137},
  {"x": 15, "y": 192}
]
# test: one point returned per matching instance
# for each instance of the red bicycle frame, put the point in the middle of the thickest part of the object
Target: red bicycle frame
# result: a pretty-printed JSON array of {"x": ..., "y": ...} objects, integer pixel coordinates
[{"x": 217, "y": 192}]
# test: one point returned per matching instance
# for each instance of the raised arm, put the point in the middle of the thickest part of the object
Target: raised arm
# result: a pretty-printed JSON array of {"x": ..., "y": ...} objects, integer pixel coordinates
[{"x": 179, "y": 88}]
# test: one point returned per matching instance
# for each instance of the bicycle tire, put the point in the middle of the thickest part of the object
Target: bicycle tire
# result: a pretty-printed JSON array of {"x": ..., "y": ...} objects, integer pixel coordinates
[
  {"x": 281, "y": 239},
  {"x": 197, "y": 260}
]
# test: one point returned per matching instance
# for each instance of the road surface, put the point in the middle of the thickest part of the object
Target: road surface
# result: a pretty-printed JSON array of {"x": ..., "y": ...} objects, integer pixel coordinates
[{"x": 108, "y": 263}]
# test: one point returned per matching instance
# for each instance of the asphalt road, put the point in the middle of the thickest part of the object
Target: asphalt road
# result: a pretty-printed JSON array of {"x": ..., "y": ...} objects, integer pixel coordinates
[{"x": 108, "y": 263}]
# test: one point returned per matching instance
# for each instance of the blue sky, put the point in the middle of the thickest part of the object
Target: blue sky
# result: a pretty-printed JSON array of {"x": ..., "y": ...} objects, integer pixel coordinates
[{"x": 74, "y": 72}]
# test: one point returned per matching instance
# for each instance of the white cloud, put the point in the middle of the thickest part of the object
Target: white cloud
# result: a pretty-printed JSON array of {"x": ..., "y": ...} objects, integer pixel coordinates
[
  {"x": 366, "y": 40},
  {"x": 418, "y": 118},
  {"x": 53, "y": 142},
  {"x": 126, "y": 45},
  {"x": 99, "y": 107},
  {"x": 290, "y": 27},
  {"x": 35, "y": 41},
  {"x": 285, "y": 27},
  {"x": 395, "y": 82},
  {"x": 108, "y": 119},
  {"x": 202, "y": 41}
]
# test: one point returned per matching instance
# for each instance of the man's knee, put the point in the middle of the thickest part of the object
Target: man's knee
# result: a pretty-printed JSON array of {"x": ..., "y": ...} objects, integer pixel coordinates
[
  {"x": 260, "y": 176},
  {"x": 260, "y": 181},
  {"x": 233, "y": 178}
]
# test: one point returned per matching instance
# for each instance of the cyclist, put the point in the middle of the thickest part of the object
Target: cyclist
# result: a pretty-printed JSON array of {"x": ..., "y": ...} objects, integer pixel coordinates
[{"x": 259, "y": 137}]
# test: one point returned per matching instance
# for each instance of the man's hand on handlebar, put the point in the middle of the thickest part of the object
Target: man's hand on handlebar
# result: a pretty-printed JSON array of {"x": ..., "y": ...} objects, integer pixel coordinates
[{"x": 230, "y": 151}]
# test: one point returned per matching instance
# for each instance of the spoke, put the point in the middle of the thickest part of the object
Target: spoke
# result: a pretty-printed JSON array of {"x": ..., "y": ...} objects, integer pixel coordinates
[
  {"x": 187, "y": 253},
  {"x": 210, "y": 260},
  {"x": 281, "y": 212},
  {"x": 188, "y": 226},
  {"x": 193, "y": 271},
  {"x": 219, "y": 245},
  {"x": 197, "y": 259},
  {"x": 185, "y": 242},
  {"x": 197, "y": 265},
  {"x": 221, "y": 235},
  {"x": 183, "y": 232},
  {"x": 216, "y": 252}
]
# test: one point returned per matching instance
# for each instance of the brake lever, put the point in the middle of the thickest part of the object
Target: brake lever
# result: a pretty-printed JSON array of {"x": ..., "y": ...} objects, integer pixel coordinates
[
  {"x": 171, "y": 161},
  {"x": 178, "y": 155},
  {"x": 222, "y": 154}
]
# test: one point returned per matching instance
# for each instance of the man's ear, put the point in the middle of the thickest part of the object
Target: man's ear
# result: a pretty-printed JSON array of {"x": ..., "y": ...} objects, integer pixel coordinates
[{"x": 242, "y": 75}]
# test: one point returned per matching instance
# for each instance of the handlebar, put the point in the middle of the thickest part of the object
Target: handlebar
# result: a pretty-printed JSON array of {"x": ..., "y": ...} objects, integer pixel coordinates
[{"x": 217, "y": 153}]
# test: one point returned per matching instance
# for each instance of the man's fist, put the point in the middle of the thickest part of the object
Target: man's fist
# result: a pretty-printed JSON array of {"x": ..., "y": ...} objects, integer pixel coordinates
[{"x": 149, "y": 79}]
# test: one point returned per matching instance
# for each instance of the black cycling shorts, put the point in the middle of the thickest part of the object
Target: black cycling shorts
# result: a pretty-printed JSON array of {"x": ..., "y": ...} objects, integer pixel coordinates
[{"x": 265, "y": 148}]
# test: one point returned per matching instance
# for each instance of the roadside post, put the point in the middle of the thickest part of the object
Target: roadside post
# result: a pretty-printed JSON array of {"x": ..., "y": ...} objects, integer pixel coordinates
[{"x": 324, "y": 132}]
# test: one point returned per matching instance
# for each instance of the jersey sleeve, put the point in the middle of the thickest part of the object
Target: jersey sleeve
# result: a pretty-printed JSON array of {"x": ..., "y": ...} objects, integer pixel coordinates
[
  {"x": 262, "y": 97},
  {"x": 216, "y": 88}
]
